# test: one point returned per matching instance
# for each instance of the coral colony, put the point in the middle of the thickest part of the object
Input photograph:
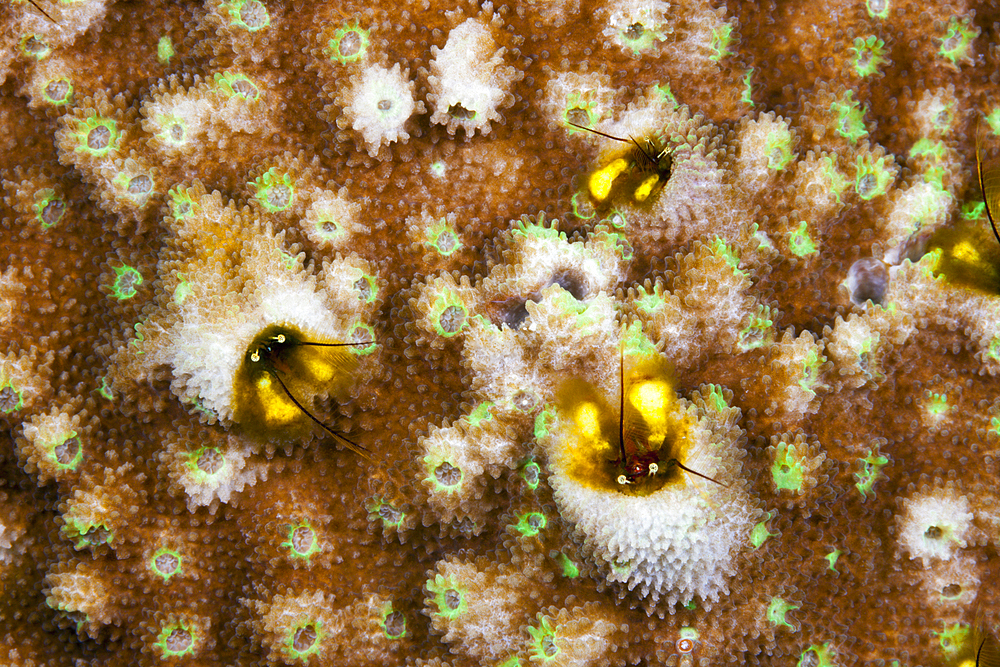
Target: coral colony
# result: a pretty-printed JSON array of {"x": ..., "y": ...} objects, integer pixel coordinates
[{"x": 550, "y": 332}]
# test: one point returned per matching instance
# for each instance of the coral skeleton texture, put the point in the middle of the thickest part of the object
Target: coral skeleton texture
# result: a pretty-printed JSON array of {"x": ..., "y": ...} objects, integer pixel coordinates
[{"x": 556, "y": 332}]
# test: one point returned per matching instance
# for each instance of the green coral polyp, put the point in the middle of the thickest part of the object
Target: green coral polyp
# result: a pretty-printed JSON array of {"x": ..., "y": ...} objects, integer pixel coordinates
[
  {"x": 579, "y": 110},
  {"x": 759, "y": 332},
  {"x": 11, "y": 398},
  {"x": 390, "y": 515},
  {"x": 722, "y": 39},
  {"x": 35, "y": 47},
  {"x": 65, "y": 452},
  {"x": 639, "y": 38},
  {"x": 274, "y": 191},
  {"x": 544, "y": 646},
  {"x": 532, "y": 475},
  {"x": 776, "y": 611},
  {"x": 442, "y": 237},
  {"x": 869, "y": 55},
  {"x": 800, "y": 242},
  {"x": 443, "y": 475},
  {"x": 850, "y": 118},
  {"x": 84, "y": 534},
  {"x": 349, "y": 44},
  {"x": 166, "y": 563},
  {"x": 747, "y": 97},
  {"x": 832, "y": 558},
  {"x": 760, "y": 534},
  {"x": 49, "y": 208},
  {"x": 956, "y": 43},
  {"x": 878, "y": 8},
  {"x": 483, "y": 412},
  {"x": 778, "y": 147},
  {"x": 206, "y": 463},
  {"x": 234, "y": 84},
  {"x": 165, "y": 49},
  {"x": 818, "y": 656},
  {"x": 126, "y": 283},
  {"x": 363, "y": 333},
  {"x": 176, "y": 640},
  {"x": 393, "y": 622},
  {"x": 569, "y": 568},
  {"x": 96, "y": 136},
  {"x": 449, "y": 596},
  {"x": 788, "y": 471},
  {"x": 58, "y": 91},
  {"x": 953, "y": 638},
  {"x": 250, "y": 15},
  {"x": 449, "y": 315},
  {"x": 530, "y": 524},
  {"x": 872, "y": 177},
  {"x": 871, "y": 471},
  {"x": 302, "y": 541},
  {"x": 173, "y": 130}
]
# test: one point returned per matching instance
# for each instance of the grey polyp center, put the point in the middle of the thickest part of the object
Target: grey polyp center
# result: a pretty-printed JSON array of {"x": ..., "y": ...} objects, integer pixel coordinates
[
  {"x": 634, "y": 31},
  {"x": 866, "y": 185},
  {"x": 447, "y": 474},
  {"x": 933, "y": 533},
  {"x": 279, "y": 195},
  {"x": 446, "y": 241},
  {"x": 524, "y": 400},
  {"x": 578, "y": 116},
  {"x": 809, "y": 659},
  {"x": 395, "y": 624},
  {"x": 57, "y": 90},
  {"x": 452, "y": 319},
  {"x": 389, "y": 513},
  {"x": 877, "y": 6},
  {"x": 177, "y": 132},
  {"x": 452, "y": 599},
  {"x": 531, "y": 474},
  {"x": 245, "y": 88},
  {"x": 302, "y": 539},
  {"x": 951, "y": 590},
  {"x": 34, "y": 45},
  {"x": 868, "y": 279},
  {"x": 350, "y": 44},
  {"x": 53, "y": 211},
  {"x": 8, "y": 399},
  {"x": 304, "y": 638},
  {"x": 384, "y": 105},
  {"x": 98, "y": 138},
  {"x": 140, "y": 185},
  {"x": 210, "y": 461},
  {"x": 66, "y": 451},
  {"x": 253, "y": 14},
  {"x": 166, "y": 563},
  {"x": 364, "y": 289},
  {"x": 549, "y": 647},
  {"x": 328, "y": 226},
  {"x": 179, "y": 640}
]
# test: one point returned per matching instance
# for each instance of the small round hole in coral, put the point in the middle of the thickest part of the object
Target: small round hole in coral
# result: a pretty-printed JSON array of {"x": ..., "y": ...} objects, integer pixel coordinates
[
  {"x": 460, "y": 112},
  {"x": 177, "y": 132},
  {"x": 572, "y": 282},
  {"x": 304, "y": 638},
  {"x": 685, "y": 645},
  {"x": 634, "y": 31},
  {"x": 166, "y": 564},
  {"x": 448, "y": 475},
  {"x": 67, "y": 451},
  {"x": 99, "y": 138},
  {"x": 53, "y": 212},
  {"x": 350, "y": 44},
  {"x": 933, "y": 533},
  {"x": 57, "y": 91},
  {"x": 452, "y": 319},
  {"x": 452, "y": 599},
  {"x": 395, "y": 625},
  {"x": 179, "y": 641},
  {"x": 140, "y": 185},
  {"x": 364, "y": 288},
  {"x": 303, "y": 539},
  {"x": 210, "y": 461},
  {"x": 578, "y": 116},
  {"x": 951, "y": 591}
]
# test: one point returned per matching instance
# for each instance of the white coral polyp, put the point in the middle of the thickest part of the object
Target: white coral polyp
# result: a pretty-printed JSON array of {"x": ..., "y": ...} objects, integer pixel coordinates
[
  {"x": 469, "y": 81},
  {"x": 379, "y": 103},
  {"x": 933, "y": 527},
  {"x": 676, "y": 543}
]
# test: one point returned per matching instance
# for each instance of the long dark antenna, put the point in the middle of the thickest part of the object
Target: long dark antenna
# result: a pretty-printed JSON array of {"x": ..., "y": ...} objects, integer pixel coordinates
[
  {"x": 621, "y": 403},
  {"x": 982, "y": 186},
  {"x": 361, "y": 451},
  {"x": 651, "y": 159},
  {"x": 695, "y": 472},
  {"x": 35, "y": 5}
]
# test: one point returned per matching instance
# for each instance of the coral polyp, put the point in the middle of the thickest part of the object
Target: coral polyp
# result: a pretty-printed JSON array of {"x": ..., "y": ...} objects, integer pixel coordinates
[{"x": 466, "y": 333}]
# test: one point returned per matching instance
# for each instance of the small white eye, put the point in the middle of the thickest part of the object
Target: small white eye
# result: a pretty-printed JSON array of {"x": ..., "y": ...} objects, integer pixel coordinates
[
  {"x": 622, "y": 479},
  {"x": 255, "y": 357},
  {"x": 653, "y": 468},
  {"x": 280, "y": 338}
]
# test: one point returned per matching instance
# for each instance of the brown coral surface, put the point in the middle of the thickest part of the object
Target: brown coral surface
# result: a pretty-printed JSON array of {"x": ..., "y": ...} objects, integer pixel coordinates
[{"x": 792, "y": 225}]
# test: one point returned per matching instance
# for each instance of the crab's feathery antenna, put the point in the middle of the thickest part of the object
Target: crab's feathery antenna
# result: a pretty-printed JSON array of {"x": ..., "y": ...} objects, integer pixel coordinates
[
  {"x": 35, "y": 5},
  {"x": 631, "y": 140},
  {"x": 695, "y": 472},
  {"x": 358, "y": 449},
  {"x": 995, "y": 194}
]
